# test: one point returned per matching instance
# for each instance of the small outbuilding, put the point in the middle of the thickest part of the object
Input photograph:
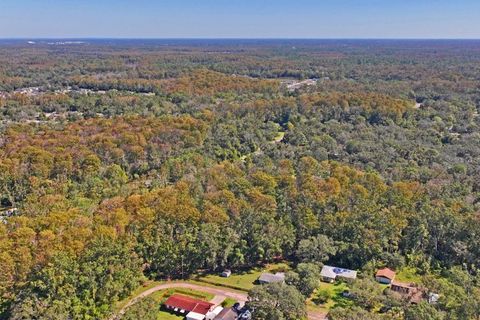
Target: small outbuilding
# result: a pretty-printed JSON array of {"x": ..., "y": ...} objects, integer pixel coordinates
[
  {"x": 385, "y": 276},
  {"x": 226, "y": 273}
]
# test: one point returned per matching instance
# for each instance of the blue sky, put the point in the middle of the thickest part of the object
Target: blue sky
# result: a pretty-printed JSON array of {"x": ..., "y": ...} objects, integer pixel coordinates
[{"x": 240, "y": 18}]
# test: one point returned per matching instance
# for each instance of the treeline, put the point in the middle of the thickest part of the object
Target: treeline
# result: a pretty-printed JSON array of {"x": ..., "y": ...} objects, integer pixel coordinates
[
  {"x": 222, "y": 170},
  {"x": 225, "y": 215}
]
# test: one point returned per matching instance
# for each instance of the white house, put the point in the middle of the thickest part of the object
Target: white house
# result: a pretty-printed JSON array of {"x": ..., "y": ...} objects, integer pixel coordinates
[{"x": 330, "y": 274}]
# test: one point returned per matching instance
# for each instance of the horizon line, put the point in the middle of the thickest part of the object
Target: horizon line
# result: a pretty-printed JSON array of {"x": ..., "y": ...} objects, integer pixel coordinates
[{"x": 229, "y": 38}]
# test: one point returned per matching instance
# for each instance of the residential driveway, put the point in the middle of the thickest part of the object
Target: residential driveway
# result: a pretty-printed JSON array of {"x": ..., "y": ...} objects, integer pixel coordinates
[
  {"x": 220, "y": 295},
  {"x": 217, "y": 300}
]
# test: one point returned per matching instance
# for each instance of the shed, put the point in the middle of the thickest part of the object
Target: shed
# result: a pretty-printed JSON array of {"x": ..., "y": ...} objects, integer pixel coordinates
[
  {"x": 226, "y": 273},
  {"x": 385, "y": 276}
]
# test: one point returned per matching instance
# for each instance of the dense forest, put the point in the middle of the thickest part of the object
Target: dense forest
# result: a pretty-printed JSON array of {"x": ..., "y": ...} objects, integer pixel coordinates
[{"x": 123, "y": 161}]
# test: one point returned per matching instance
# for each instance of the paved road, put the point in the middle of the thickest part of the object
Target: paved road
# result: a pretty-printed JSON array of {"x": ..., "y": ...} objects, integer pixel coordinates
[{"x": 220, "y": 295}]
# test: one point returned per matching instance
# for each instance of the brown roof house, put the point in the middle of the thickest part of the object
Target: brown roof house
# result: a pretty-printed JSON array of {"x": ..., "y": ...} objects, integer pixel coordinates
[
  {"x": 385, "y": 276},
  {"x": 409, "y": 290}
]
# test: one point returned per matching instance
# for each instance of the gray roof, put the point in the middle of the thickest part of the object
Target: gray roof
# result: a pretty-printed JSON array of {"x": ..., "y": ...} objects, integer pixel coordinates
[
  {"x": 334, "y": 272},
  {"x": 269, "y": 277}
]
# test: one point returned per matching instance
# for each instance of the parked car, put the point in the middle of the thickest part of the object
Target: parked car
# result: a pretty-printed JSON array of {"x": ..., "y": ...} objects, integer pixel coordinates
[
  {"x": 346, "y": 294},
  {"x": 247, "y": 315},
  {"x": 236, "y": 306}
]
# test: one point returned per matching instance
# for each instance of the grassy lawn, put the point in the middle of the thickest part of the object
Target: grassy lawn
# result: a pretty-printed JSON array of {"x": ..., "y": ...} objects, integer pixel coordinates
[
  {"x": 243, "y": 280},
  {"x": 212, "y": 285},
  {"x": 336, "y": 299},
  {"x": 408, "y": 274},
  {"x": 162, "y": 315},
  {"x": 161, "y": 295},
  {"x": 229, "y": 302}
]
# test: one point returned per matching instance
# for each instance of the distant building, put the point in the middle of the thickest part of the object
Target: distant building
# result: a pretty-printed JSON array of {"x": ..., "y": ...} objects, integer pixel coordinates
[
  {"x": 385, "y": 276},
  {"x": 330, "y": 274},
  {"x": 293, "y": 85},
  {"x": 271, "y": 278},
  {"x": 31, "y": 91},
  {"x": 193, "y": 309}
]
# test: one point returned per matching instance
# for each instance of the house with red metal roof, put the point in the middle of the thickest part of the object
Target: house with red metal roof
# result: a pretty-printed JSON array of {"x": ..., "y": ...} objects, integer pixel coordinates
[
  {"x": 385, "y": 276},
  {"x": 194, "y": 309}
]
